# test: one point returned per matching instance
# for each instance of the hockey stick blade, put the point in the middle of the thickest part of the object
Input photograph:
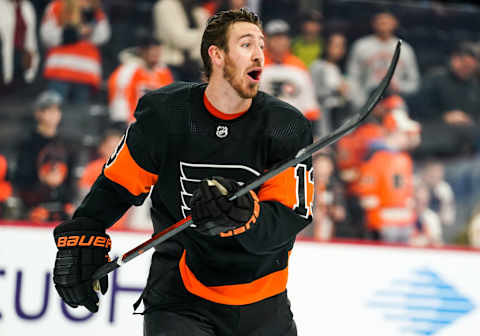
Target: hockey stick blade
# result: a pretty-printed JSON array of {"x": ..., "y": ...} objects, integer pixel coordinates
[{"x": 301, "y": 155}]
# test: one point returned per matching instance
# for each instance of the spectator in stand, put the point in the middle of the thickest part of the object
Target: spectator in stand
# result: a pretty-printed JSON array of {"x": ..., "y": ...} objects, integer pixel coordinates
[
  {"x": 441, "y": 196},
  {"x": 352, "y": 151},
  {"x": 179, "y": 25},
  {"x": 428, "y": 229},
  {"x": 106, "y": 148},
  {"x": 141, "y": 72},
  {"x": 92, "y": 170},
  {"x": 474, "y": 230},
  {"x": 18, "y": 41},
  {"x": 385, "y": 185},
  {"x": 72, "y": 30},
  {"x": 329, "y": 208},
  {"x": 308, "y": 46},
  {"x": 41, "y": 178},
  {"x": 331, "y": 87},
  {"x": 448, "y": 103},
  {"x": 371, "y": 55},
  {"x": 285, "y": 75},
  {"x": 5, "y": 186}
]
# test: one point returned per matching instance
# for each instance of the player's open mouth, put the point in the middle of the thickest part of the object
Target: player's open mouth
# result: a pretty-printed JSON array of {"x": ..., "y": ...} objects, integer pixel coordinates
[{"x": 255, "y": 74}]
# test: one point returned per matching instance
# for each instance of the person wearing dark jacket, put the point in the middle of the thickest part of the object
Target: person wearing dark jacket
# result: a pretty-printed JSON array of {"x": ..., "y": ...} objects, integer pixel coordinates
[
  {"x": 41, "y": 176},
  {"x": 448, "y": 103}
]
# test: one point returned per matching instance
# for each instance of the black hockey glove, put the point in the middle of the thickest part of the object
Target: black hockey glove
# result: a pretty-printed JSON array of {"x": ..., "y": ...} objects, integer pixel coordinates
[
  {"x": 83, "y": 247},
  {"x": 213, "y": 214}
]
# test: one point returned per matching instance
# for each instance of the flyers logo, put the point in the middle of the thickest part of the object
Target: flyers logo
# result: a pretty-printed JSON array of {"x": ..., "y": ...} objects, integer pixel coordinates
[{"x": 192, "y": 173}]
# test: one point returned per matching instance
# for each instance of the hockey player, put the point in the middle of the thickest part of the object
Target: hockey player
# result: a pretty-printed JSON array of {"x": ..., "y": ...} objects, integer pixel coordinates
[{"x": 227, "y": 274}]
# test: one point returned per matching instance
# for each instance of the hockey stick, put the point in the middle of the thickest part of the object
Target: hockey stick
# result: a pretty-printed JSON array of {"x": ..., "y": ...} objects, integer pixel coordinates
[{"x": 301, "y": 156}]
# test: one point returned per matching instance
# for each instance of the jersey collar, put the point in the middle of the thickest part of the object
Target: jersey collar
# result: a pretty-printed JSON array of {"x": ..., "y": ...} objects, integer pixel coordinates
[{"x": 217, "y": 113}]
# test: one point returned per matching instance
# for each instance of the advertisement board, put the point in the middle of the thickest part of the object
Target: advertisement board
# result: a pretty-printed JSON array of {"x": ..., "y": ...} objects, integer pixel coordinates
[{"x": 335, "y": 289}]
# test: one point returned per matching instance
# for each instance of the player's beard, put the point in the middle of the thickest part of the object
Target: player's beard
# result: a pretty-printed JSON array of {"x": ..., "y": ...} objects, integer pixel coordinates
[{"x": 234, "y": 77}]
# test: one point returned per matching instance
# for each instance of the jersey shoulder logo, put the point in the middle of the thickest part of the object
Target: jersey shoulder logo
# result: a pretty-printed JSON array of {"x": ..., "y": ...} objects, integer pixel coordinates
[{"x": 191, "y": 174}]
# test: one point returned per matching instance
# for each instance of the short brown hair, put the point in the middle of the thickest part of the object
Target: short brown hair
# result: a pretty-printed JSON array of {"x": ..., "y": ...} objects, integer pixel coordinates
[{"x": 217, "y": 29}]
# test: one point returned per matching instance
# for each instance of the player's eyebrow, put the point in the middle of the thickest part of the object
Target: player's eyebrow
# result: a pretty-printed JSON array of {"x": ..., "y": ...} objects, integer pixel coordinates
[{"x": 250, "y": 35}]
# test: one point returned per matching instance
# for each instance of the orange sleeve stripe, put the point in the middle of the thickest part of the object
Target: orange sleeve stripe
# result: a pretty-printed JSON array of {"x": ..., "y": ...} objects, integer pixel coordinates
[
  {"x": 283, "y": 188},
  {"x": 241, "y": 294},
  {"x": 126, "y": 172}
]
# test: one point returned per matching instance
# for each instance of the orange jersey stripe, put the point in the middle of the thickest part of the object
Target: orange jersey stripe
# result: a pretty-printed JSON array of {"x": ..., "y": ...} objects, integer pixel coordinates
[
  {"x": 72, "y": 75},
  {"x": 126, "y": 172},
  {"x": 241, "y": 294}
]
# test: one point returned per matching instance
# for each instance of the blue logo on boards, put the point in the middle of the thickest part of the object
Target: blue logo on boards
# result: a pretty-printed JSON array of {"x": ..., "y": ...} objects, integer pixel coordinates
[{"x": 421, "y": 304}]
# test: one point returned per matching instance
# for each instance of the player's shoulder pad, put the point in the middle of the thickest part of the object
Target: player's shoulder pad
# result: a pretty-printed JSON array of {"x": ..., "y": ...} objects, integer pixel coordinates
[
  {"x": 155, "y": 104},
  {"x": 283, "y": 118}
]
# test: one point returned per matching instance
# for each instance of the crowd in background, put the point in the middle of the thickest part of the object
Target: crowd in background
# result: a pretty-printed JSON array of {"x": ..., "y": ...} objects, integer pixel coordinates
[{"x": 72, "y": 72}]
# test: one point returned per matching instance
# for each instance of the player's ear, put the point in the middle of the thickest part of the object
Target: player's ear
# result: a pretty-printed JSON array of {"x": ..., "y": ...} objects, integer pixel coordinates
[{"x": 217, "y": 55}]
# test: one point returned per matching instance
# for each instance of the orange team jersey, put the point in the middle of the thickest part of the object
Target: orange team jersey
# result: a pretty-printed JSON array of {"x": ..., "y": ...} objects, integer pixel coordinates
[
  {"x": 290, "y": 81},
  {"x": 385, "y": 188},
  {"x": 352, "y": 149},
  {"x": 128, "y": 83},
  {"x": 78, "y": 62}
]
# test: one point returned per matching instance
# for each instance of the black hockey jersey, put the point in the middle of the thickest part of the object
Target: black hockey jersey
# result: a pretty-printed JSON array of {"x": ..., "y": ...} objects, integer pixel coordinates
[{"x": 179, "y": 139}]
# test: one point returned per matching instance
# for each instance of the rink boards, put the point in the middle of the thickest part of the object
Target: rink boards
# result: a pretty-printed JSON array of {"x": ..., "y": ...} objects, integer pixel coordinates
[{"x": 335, "y": 289}]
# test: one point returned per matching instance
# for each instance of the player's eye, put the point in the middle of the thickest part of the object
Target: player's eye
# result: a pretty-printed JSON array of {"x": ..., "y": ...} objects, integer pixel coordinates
[{"x": 245, "y": 45}]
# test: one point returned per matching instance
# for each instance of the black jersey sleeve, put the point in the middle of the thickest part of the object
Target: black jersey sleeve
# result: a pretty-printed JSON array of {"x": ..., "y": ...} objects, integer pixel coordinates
[
  {"x": 133, "y": 168},
  {"x": 285, "y": 200}
]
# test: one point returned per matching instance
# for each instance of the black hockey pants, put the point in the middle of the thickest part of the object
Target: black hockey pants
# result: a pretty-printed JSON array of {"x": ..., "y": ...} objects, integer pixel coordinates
[{"x": 270, "y": 317}]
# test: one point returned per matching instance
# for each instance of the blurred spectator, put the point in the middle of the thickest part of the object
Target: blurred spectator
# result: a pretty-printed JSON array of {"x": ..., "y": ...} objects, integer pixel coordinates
[
  {"x": 441, "y": 196},
  {"x": 284, "y": 75},
  {"x": 474, "y": 230},
  {"x": 106, "y": 148},
  {"x": 331, "y": 88},
  {"x": 5, "y": 186},
  {"x": 179, "y": 25},
  {"x": 41, "y": 178},
  {"x": 141, "y": 72},
  {"x": 93, "y": 169},
  {"x": 448, "y": 103},
  {"x": 370, "y": 57},
  {"x": 352, "y": 151},
  {"x": 385, "y": 185},
  {"x": 428, "y": 229},
  {"x": 18, "y": 40},
  {"x": 308, "y": 46},
  {"x": 72, "y": 30},
  {"x": 329, "y": 208}
]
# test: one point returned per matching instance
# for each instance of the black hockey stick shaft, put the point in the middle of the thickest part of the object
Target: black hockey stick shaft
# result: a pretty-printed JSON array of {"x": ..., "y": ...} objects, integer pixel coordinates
[{"x": 301, "y": 156}]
